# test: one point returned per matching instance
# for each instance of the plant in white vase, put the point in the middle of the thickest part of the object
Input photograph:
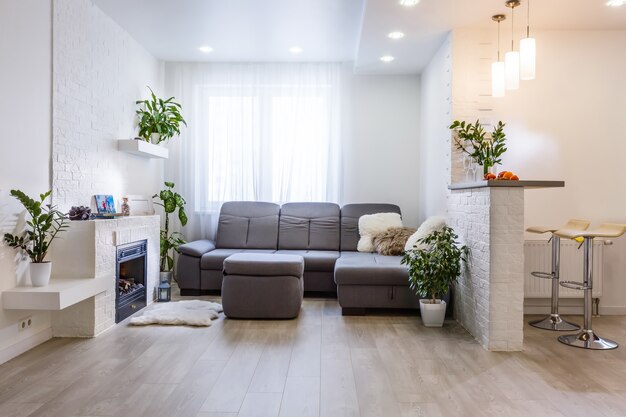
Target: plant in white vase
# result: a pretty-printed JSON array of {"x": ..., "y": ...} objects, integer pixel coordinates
[
  {"x": 45, "y": 223},
  {"x": 433, "y": 269},
  {"x": 159, "y": 120}
]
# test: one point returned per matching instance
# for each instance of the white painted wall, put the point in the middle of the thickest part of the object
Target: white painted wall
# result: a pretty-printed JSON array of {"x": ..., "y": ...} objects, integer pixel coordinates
[
  {"x": 565, "y": 125},
  {"x": 434, "y": 160},
  {"x": 99, "y": 73},
  {"x": 381, "y": 144},
  {"x": 25, "y": 113}
]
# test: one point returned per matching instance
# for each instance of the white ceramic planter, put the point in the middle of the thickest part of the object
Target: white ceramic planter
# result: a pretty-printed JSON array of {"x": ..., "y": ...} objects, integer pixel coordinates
[
  {"x": 40, "y": 273},
  {"x": 154, "y": 138},
  {"x": 433, "y": 314}
]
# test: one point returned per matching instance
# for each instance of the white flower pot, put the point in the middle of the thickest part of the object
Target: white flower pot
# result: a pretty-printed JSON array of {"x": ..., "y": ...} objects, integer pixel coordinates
[
  {"x": 433, "y": 314},
  {"x": 154, "y": 138},
  {"x": 40, "y": 273}
]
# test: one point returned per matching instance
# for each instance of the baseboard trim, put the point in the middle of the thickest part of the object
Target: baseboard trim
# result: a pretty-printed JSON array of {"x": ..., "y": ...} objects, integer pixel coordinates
[
  {"x": 25, "y": 345},
  {"x": 612, "y": 310}
]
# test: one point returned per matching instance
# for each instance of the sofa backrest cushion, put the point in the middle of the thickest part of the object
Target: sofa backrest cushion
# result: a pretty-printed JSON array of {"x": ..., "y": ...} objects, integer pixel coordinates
[
  {"x": 248, "y": 225},
  {"x": 350, "y": 214},
  {"x": 309, "y": 226}
]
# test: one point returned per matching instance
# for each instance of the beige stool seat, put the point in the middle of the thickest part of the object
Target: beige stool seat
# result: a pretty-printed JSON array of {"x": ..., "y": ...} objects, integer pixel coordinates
[
  {"x": 587, "y": 338},
  {"x": 554, "y": 320}
]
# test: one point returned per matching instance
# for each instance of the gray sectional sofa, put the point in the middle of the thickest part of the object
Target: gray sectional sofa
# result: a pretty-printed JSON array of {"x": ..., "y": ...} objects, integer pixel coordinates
[{"x": 324, "y": 234}]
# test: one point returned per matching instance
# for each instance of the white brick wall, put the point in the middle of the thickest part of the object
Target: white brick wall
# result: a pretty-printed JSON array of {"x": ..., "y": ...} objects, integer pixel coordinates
[
  {"x": 96, "y": 314},
  {"x": 489, "y": 296},
  {"x": 99, "y": 72}
]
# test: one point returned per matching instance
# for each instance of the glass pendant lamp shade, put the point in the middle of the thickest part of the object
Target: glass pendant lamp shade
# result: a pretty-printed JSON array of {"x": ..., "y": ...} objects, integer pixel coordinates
[
  {"x": 498, "y": 84},
  {"x": 511, "y": 65},
  {"x": 528, "y": 52}
]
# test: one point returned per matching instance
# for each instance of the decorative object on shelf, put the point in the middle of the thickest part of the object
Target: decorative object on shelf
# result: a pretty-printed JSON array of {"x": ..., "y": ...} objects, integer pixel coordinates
[
  {"x": 511, "y": 58},
  {"x": 528, "y": 51},
  {"x": 164, "y": 292},
  {"x": 80, "y": 213},
  {"x": 159, "y": 120},
  {"x": 472, "y": 140},
  {"x": 433, "y": 266},
  {"x": 125, "y": 207},
  {"x": 45, "y": 223},
  {"x": 498, "y": 75},
  {"x": 170, "y": 201}
]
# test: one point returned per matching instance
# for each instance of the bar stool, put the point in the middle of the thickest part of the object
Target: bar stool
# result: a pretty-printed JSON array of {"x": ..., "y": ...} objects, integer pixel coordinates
[
  {"x": 554, "y": 320},
  {"x": 586, "y": 338}
]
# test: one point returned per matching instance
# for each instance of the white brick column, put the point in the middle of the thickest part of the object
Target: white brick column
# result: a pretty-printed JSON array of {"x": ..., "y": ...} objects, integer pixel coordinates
[{"x": 489, "y": 296}]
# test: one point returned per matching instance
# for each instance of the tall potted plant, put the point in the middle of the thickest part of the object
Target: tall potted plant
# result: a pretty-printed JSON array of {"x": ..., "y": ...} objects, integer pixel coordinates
[
  {"x": 45, "y": 223},
  {"x": 159, "y": 120},
  {"x": 170, "y": 241},
  {"x": 472, "y": 140},
  {"x": 433, "y": 270}
]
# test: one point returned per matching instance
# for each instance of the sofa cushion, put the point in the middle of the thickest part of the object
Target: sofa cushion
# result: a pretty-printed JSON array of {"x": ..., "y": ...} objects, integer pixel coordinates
[
  {"x": 315, "y": 260},
  {"x": 358, "y": 268},
  {"x": 248, "y": 225},
  {"x": 197, "y": 248},
  {"x": 262, "y": 264},
  {"x": 350, "y": 214},
  {"x": 214, "y": 260},
  {"x": 309, "y": 226}
]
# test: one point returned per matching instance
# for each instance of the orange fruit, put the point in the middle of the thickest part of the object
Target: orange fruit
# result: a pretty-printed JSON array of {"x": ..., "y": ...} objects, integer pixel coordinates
[
  {"x": 514, "y": 178},
  {"x": 507, "y": 175}
]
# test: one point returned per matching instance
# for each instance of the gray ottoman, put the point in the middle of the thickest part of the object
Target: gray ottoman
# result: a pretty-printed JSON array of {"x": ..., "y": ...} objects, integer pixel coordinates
[{"x": 262, "y": 286}]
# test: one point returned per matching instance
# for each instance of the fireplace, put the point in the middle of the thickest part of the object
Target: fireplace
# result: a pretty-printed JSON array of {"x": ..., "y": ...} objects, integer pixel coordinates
[{"x": 130, "y": 279}]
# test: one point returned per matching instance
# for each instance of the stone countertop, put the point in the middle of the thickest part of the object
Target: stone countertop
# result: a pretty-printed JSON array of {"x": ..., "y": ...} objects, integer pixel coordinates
[{"x": 507, "y": 183}]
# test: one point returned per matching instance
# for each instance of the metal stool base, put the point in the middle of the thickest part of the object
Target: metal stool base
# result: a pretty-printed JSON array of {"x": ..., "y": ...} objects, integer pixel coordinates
[
  {"x": 587, "y": 339},
  {"x": 554, "y": 322}
]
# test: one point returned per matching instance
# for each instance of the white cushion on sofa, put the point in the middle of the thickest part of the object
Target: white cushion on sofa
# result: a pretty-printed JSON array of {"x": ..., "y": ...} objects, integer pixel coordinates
[
  {"x": 431, "y": 224},
  {"x": 371, "y": 224}
]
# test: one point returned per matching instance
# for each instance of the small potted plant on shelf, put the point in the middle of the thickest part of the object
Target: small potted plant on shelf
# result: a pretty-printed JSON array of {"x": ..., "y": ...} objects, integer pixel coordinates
[
  {"x": 434, "y": 264},
  {"x": 485, "y": 150},
  {"x": 45, "y": 223},
  {"x": 170, "y": 241},
  {"x": 159, "y": 120}
]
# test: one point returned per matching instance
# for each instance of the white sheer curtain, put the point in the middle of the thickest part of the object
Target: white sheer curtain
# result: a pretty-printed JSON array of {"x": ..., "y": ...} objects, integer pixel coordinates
[{"x": 267, "y": 132}]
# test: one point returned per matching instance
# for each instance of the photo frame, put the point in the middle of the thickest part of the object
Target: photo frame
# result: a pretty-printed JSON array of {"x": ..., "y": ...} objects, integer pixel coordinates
[
  {"x": 140, "y": 205},
  {"x": 105, "y": 204}
]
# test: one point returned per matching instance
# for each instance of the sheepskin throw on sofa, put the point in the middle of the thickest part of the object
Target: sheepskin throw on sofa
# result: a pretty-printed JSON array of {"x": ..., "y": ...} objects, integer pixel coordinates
[
  {"x": 372, "y": 224},
  {"x": 391, "y": 242}
]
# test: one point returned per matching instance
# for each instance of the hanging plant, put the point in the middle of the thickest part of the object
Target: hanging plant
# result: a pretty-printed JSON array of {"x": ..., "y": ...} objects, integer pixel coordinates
[{"x": 159, "y": 120}]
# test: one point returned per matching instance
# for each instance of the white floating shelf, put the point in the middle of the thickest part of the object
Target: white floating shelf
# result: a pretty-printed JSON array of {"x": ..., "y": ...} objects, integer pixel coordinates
[
  {"x": 142, "y": 148},
  {"x": 57, "y": 295}
]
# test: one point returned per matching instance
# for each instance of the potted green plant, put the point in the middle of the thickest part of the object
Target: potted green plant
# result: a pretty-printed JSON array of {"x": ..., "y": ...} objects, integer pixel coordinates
[
  {"x": 473, "y": 140},
  {"x": 170, "y": 241},
  {"x": 432, "y": 270},
  {"x": 45, "y": 223},
  {"x": 159, "y": 120}
]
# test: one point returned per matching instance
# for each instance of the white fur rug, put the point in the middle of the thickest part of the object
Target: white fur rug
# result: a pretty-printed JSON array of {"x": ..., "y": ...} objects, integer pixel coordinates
[{"x": 179, "y": 313}]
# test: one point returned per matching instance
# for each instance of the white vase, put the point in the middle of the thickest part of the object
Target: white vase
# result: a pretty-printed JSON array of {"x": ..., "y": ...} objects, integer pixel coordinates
[
  {"x": 40, "y": 273},
  {"x": 154, "y": 138},
  {"x": 433, "y": 314}
]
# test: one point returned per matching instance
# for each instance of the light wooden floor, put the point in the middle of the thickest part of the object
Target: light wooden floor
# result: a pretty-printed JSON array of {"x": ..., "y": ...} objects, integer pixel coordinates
[{"x": 321, "y": 364}]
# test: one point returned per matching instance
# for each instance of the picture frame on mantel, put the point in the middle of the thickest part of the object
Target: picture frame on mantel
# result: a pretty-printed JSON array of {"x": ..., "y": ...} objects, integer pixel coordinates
[{"x": 140, "y": 205}]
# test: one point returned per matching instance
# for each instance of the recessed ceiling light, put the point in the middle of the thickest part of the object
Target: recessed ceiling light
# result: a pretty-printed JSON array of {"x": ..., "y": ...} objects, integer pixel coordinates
[
  {"x": 616, "y": 3},
  {"x": 387, "y": 58},
  {"x": 409, "y": 3},
  {"x": 395, "y": 35},
  {"x": 295, "y": 50},
  {"x": 205, "y": 49}
]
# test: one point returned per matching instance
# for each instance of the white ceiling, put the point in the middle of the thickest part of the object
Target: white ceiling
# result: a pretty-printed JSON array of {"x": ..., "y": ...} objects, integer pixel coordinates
[{"x": 333, "y": 30}]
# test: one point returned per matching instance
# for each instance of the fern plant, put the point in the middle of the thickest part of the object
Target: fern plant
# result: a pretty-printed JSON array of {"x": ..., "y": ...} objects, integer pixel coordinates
[
  {"x": 171, "y": 202},
  {"x": 45, "y": 223},
  {"x": 159, "y": 116},
  {"x": 472, "y": 140},
  {"x": 433, "y": 270}
]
